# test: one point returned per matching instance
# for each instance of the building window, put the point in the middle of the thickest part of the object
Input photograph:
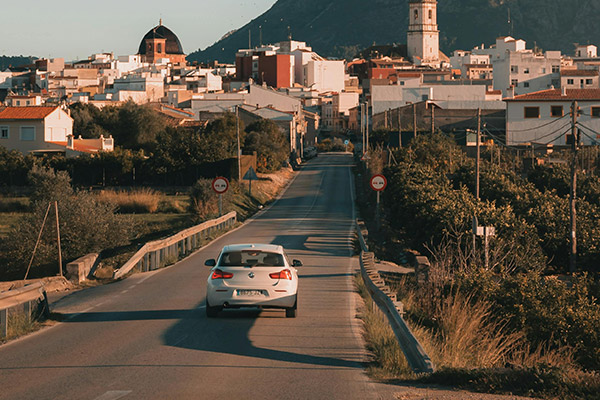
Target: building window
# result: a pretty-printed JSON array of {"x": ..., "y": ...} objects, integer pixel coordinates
[
  {"x": 159, "y": 47},
  {"x": 525, "y": 70},
  {"x": 570, "y": 81},
  {"x": 424, "y": 97},
  {"x": 27, "y": 133},
  {"x": 543, "y": 70},
  {"x": 3, "y": 132},
  {"x": 28, "y": 102},
  {"x": 514, "y": 82},
  {"x": 532, "y": 112},
  {"x": 555, "y": 69},
  {"x": 416, "y": 14},
  {"x": 430, "y": 14},
  {"x": 556, "y": 111},
  {"x": 588, "y": 81},
  {"x": 525, "y": 84},
  {"x": 401, "y": 83},
  {"x": 514, "y": 69},
  {"x": 595, "y": 112}
]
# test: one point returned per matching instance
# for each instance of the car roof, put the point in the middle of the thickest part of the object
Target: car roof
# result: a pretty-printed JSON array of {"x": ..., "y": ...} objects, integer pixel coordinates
[{"x": 254, "y": 246}]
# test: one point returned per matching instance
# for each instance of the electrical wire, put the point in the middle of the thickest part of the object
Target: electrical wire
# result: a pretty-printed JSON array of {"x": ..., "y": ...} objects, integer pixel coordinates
[
  {"x": 540, "y": 138},
  {"x": 540, "y": 126}
]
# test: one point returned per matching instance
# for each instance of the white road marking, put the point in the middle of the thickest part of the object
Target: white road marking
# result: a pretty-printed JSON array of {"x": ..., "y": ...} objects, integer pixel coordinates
[{"x": 113, "y": 395}]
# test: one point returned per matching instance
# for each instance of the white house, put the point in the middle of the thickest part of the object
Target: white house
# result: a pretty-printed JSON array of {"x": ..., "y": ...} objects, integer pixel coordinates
[
  {"x": 35, "y": 129},
  {"x": 579, "y": 79},
  {"x": 148, "y": 83},
  {"x": 385, "y": 97},
  {"x": 544, "y": 117}
]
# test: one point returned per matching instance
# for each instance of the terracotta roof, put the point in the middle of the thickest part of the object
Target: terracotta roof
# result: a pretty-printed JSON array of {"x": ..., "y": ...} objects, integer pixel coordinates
[
  {"x": 556, "y": 94},
  {"x": 37, "y": 112},
  {"x": 578, "y": 72}
]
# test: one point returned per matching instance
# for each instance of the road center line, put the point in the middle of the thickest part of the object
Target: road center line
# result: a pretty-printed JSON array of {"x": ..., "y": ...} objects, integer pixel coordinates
[{"x": 113, "y": 395}]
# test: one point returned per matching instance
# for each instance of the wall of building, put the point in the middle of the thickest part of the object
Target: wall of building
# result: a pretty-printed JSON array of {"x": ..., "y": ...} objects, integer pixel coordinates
[{"x": 548, "y": 129}]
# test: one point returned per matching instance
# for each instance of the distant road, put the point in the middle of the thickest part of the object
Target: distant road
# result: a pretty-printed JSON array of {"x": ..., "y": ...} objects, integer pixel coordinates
[{"x": 147, "y": 337}]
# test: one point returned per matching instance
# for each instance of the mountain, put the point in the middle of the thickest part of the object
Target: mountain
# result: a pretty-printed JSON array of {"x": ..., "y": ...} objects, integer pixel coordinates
[{"x": 341, "y": 28}]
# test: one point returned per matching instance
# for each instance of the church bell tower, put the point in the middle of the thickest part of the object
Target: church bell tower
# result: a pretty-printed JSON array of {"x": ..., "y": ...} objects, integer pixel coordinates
[{"x": 423, "y": 36}]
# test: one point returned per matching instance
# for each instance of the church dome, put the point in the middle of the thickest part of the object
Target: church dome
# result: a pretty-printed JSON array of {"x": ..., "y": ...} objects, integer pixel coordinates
[{"x": 173, "y": 45}]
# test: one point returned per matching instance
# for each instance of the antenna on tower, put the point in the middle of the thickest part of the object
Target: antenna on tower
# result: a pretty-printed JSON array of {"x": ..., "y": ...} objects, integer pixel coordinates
[
  {"x": 289, "y": 33},
  {"x": 510, "y": 24}
]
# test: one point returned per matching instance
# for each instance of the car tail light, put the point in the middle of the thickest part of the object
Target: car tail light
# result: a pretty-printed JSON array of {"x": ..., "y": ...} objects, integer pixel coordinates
[
  {"x": 218, "y": 274},
  {"x": 285, "y": 274}
]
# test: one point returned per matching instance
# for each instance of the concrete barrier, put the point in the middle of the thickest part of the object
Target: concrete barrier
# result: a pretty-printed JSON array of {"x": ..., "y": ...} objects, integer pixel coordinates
[
  {"x": 156, "y": 254},
  {"x": 385, "y": 299},
  {"x": 21, "y": 300},
  {"x": 80, "y": 269}
]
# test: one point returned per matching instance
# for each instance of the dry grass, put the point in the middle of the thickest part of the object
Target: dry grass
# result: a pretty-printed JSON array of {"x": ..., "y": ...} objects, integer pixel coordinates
[
  {"x": 20, "y": 324},
  {"x": 137, "y": 201},
  {"x": 388, "y": 360}
]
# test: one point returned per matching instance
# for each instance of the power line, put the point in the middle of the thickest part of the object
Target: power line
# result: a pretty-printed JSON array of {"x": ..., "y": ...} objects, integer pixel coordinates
[
  {"x": 543, "y": 137},
  {"x": 540, "y": 126}
]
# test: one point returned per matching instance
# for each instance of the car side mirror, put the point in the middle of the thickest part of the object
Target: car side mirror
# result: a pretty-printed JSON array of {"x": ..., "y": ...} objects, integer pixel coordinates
[
  {"x": 297, "y": 263},
  {"x": 210, "y": 263}
]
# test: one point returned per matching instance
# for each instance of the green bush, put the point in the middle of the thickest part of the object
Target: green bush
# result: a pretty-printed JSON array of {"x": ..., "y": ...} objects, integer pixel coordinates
[{"x": 86, "y": 226}]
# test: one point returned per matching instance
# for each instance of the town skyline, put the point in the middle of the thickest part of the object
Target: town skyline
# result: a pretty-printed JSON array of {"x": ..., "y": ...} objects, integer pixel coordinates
[{"x": 199, "y": 25}]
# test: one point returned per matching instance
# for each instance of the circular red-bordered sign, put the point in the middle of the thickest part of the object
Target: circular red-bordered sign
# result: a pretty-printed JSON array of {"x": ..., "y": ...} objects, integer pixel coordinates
[
  {"x": 220, "y": 185},
  {"x": 378, "y": 183}
]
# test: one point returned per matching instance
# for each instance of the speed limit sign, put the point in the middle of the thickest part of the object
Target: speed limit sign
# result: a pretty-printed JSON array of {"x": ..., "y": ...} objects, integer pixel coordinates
[
  {"x": 220, "y": 185},
  {"x": 378, "y": 183}
]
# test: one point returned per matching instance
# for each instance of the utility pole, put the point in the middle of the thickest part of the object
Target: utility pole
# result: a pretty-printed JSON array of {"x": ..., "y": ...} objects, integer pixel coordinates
[
  {"x": 239, "y": 155},
  {"x": 367, "y": 125},
  {"x": 414, "y": 120},
  {"x": 478, "y": 154},
  {"x": 362, "y": 125},
  {"x": 475, "y": 221},
  {"x": 573, "y": 196},
  {"x": 60, "y": 269},
  {"x": 432, "y": 118},
  {"x": 399, "y": 128}
]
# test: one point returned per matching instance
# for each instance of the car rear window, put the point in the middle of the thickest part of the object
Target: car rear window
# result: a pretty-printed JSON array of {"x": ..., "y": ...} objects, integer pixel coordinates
[{"x": 251, "y": 258}]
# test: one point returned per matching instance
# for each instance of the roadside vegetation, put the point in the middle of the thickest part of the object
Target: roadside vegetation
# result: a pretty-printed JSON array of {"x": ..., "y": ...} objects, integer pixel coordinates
[
  {"x": 155, "y": 183},
  {"x": 520, "y": 323}
]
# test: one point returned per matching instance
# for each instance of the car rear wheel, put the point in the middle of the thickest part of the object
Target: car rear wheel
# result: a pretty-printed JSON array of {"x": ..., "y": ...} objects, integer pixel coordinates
[
  {"x": 292, "y": 312},
  {"x": 212, "y": 312}
]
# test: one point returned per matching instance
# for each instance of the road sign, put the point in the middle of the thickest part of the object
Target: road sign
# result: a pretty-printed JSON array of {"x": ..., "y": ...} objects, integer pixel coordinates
[
  {"x": 250, "y": 175},
  {"x": 346, "y": 142},
  {"x": 378, "y": 183},
  {"x": 220, "y": 185}
]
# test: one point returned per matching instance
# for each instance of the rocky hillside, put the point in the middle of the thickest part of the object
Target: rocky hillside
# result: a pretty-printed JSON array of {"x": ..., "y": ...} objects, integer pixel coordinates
[{"x": 340, "y": 28}]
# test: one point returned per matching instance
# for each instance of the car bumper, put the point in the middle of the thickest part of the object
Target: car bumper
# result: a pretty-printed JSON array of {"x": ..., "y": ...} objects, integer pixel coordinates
[{"x": 235, "y": 297}]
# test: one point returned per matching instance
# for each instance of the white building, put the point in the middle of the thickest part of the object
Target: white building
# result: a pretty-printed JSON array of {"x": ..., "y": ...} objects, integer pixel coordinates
[
  {"x": 579, "y": 79},
  {"x": 544, "y": 117},
  {"x": 386, "y": 97},
  {"x": 526, "y": 71},
  {"x": 150, "y": 87},
  {"x": 587, "y": 51},
  {"x": 324, "y": 75}
]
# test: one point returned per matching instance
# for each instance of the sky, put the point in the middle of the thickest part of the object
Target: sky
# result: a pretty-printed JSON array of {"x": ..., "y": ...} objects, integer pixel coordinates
[{"x": 76, "y": 29}]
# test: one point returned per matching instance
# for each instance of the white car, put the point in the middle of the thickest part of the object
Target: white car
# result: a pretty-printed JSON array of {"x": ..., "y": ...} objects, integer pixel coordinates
[{"x": 252, "y": 275}]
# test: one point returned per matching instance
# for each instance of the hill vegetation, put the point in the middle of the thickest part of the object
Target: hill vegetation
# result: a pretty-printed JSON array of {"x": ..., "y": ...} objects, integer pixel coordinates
[{"x": 341, "y": 28}]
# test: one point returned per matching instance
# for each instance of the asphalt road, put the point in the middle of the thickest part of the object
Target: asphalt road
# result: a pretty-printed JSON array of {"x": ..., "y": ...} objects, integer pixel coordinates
[{"x": 147, "y": 337}]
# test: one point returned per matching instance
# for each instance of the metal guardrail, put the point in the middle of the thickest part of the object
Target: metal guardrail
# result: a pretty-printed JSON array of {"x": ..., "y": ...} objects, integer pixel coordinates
[
  {"x": 24, "y": 296},
  {"x": 416, "y": 356},
  {"x": 153, "y": 255}
]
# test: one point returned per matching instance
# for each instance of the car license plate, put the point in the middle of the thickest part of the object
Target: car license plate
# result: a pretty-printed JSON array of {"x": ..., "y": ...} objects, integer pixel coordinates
[{"x": 243, "y": 292}]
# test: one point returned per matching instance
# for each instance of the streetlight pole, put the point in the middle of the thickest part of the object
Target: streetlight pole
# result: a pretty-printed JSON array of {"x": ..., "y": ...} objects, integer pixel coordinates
[{"x": 573, "y": 196}]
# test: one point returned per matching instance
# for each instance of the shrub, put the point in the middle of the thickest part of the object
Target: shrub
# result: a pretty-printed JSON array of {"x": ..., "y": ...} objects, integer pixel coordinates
[
  {"x": 137, "y": 201},
  {"x": 203, "y": 200},
  {"x": 86, "y": 226}
]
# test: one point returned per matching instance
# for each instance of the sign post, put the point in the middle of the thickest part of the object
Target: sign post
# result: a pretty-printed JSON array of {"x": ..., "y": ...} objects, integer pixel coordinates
[
  {"x": 250, "y": 175},
  {"x": 378, "y": 184},
  {"x": 220, "y": 185}
]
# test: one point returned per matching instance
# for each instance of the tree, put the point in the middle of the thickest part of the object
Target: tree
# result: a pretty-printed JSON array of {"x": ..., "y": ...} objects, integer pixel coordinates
[{"x": 270, "y": 144}]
